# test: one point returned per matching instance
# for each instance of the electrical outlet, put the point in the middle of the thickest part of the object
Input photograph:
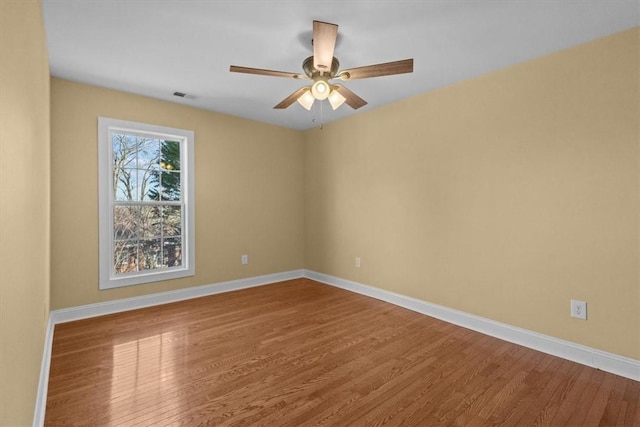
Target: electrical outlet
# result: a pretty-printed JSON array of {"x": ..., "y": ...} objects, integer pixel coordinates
[
  {"x": 244, "y": 259},
  {"x": 357, "y": 262},
  {"x": 579, "y": 309}
]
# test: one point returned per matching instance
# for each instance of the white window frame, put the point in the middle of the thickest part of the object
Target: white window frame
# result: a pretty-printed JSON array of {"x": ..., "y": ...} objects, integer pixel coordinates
[{"x": 106, "y": 127}]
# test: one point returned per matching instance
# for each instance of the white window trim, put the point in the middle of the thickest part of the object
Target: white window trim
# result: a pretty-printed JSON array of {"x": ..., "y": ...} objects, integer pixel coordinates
[{"x": 108, "y": 278}]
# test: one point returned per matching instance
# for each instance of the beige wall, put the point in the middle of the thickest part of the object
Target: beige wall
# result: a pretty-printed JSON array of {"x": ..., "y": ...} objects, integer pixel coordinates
[
  {"x": 504, "y": 196},
  {"x": 24, "y": 206},
  {"x": 249, "y": 192}
]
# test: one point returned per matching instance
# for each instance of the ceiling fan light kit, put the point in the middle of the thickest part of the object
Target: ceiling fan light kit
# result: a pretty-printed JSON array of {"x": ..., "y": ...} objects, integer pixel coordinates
[{"x": 323, "y": 67}]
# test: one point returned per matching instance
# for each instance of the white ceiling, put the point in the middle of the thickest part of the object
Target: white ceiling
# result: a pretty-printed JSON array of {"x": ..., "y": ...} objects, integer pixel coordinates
[{"x": 156, "y": 47}]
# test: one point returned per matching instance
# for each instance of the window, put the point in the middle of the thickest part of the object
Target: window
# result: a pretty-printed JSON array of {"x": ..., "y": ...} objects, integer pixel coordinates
[{"x": 146, "y": 203}]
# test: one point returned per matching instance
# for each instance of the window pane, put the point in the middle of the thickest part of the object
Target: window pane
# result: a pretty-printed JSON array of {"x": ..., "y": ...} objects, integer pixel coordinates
[
  {"x": 172, "y": 221},
  {"x": 148, "y": 153},
  {"x": 125, "y": 222},
  {"x": 170, "y": 167},
  {"x": 170, "y": 155},
  {"x": 149, "y": 184},
  {"x": 171, "y": 186},
  {"x": 173, "y": 252},
  {"x": 150, "y": 222},
  {"x": 126, "y": 184},
  {"x": 125, "y": 256},
  {"x": 148, "y": 164},
  {"x": 124, "y": 151},
  {"x": 149, "y": 256}
]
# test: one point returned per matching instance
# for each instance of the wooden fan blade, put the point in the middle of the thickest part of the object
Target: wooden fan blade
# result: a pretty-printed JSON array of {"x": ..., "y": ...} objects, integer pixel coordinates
[
  {"x": 386, "y": 69},
  {"x": 291, "y": 98},
  {"x": 260, "y": 71},
  {"x": 352, "y": 100},
  {"x": 324, "y": 42}
]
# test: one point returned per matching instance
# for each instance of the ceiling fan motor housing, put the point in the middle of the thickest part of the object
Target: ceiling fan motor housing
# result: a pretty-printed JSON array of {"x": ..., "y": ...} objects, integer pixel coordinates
[{"x": 312, "y": 73}]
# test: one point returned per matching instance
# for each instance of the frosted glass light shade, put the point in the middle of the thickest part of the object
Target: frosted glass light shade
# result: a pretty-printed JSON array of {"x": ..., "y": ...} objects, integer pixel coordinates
[
  {"x": 320, "y": 90},
  {"x": 306, "y": 99},
  {"x": 336, "y": 99}
]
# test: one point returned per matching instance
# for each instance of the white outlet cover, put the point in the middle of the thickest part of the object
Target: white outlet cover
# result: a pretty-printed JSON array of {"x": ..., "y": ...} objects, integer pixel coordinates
[{"x": 579, "y": 309}]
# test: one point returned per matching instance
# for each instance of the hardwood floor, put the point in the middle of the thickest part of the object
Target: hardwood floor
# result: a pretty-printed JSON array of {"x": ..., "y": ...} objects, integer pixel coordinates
[{"x": 303, "y": 353}]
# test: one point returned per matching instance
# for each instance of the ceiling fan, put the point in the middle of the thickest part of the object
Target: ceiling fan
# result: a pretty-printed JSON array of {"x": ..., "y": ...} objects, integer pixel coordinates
[{"x": 323, "y": 67}]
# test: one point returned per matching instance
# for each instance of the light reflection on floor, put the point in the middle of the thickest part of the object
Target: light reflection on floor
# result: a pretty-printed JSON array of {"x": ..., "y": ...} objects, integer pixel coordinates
[{"x": 145, "y": 370}]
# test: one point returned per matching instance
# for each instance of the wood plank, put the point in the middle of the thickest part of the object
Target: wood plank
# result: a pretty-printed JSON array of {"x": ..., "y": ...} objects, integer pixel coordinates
[{"x": 300, "y": 352}]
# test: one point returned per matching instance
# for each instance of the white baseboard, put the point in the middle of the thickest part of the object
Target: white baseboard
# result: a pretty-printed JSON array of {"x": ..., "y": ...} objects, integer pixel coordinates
[
  {"x": 609, "y": 362},
  {"x": 109, "y": 307},
  {"x": 43, "y": 383}
]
